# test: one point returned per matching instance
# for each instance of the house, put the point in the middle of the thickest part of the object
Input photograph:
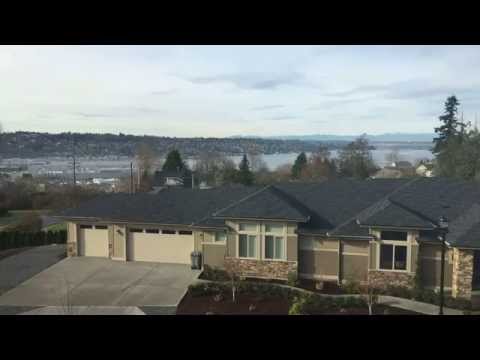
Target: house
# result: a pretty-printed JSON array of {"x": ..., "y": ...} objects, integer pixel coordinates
[
  {"x": 384, "y": 230},
  {"x": 424, "y": 169},
  {"x": 388, "y": 173},
  {"x": 168, "y": 178}
]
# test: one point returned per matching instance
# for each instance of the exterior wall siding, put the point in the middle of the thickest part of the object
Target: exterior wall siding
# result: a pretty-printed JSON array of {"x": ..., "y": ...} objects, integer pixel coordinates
[
  {"x": 355, "y": 267},
  {"x": 318, "y": 264},
  {"x": 214, "y": 255}
]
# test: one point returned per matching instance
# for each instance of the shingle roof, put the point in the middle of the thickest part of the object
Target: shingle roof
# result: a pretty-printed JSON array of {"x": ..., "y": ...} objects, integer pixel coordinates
[
  {"x": 169, "y": 206},
  {"x": 336, "y": 207},
  {"x": 267, "y": 203}
]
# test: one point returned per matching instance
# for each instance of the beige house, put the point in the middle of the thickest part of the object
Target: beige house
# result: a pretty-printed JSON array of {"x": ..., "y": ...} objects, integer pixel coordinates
[{"x": 383, "y": 231}]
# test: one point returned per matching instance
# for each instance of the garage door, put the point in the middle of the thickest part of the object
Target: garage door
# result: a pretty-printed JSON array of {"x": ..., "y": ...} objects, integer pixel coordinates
[
  {"x": 93, "y": 241},
  {"x": 160, "y": 246}
]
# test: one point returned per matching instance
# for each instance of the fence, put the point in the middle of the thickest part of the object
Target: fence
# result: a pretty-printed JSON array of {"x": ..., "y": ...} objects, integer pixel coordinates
[{"x": 16, "y": 239}]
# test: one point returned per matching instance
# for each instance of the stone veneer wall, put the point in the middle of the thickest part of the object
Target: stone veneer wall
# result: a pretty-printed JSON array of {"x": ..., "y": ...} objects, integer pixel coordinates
[
  {"x": 262, "y": 269},
  {"x": 383, "y": 278},
  {"x": 462, "y": 273}
]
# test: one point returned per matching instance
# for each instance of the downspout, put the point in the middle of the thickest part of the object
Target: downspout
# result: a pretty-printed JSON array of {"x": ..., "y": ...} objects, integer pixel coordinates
[{"x": 340, "y": 251}]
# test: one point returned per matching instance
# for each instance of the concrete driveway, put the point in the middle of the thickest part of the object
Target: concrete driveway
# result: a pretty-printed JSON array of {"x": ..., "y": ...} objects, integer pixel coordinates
[
  {"x": 17, "y": 268},
  {"x": 83, "y": 281}
]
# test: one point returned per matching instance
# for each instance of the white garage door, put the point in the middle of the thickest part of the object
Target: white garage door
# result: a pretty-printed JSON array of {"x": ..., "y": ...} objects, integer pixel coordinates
[
  {"x": 93, "y": 241},
  {"x": 157, "y": 246}
]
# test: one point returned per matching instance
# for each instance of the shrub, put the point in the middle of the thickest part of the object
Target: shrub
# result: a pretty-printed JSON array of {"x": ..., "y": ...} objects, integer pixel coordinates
[
  {"x": 214, "y": 274},
  {"x": 207, "y": 289},
  {"x": 351, "y": 287},
  {"x": 292, "y": 278},
  {"x": 399, "y": 291},
  {"x": 298, "y": 306}
]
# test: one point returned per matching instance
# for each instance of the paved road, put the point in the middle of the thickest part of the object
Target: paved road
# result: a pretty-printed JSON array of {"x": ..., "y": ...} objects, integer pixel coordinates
[
  {"x": 17, "y": 268},
  {"x": 88, "y": 281}
]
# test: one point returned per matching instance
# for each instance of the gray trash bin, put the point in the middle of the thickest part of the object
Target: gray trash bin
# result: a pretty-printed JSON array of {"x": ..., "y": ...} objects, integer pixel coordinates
[{"x": 196, "y": 260}]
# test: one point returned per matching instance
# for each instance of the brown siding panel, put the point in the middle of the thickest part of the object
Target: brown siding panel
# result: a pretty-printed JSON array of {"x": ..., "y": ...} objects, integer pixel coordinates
[
  {"x": 318, "y": 262},
  {"x": 359, "y": 247},
  {"x": 355, "y": 267},
  {"x": 214, "y": 255},
  {"x": 292, "y": 248},
  {"x": 431, "y": 270}
]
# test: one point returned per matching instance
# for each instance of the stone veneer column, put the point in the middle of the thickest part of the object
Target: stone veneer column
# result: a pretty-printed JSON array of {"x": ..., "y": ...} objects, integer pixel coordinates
[{"x": 462, "y": 273}]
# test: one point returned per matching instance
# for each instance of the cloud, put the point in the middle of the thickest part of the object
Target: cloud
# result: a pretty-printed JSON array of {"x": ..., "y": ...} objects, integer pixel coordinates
[
  {"x": 163, "y": 92},
  {"x": 120, "y": 111},
  {"x": 253, "y": 81},
  {"x": 283, "y": 117},
  {"x": 267, "y": 107}
]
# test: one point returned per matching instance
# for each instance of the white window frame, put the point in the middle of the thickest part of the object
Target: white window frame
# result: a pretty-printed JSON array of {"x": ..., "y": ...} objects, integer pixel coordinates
[
  {"x": 282, "y": 234},
  {"x": 215, "y": 241},
  {"x": 406, "y": 243},
  {"x": 255, "y": 233}
]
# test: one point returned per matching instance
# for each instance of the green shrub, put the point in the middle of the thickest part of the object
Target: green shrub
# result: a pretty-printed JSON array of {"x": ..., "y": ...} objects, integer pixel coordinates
[
  {"x": 298, "y": 306},
  {"x": 214, "y": 274},
  {"x": 292, "y": 279},
  {"x": 399, "y": 291},
  {"x": 207, "y": 289},
  {"x": 351, "y": 287}
]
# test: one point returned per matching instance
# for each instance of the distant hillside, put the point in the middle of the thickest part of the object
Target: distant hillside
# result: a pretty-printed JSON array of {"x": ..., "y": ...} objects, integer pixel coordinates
[
  {"x": 35, "y": 145},
  {"x": 389, "y": 137}
]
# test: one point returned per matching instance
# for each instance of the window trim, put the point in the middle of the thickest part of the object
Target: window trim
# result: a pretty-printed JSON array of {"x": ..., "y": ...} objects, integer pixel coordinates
[
  {"x": 395, "y": 243},
  {"x": 284, "y": 247},
  {"x": 248, "y": 239},
  {"x": 215, "y": 241}
]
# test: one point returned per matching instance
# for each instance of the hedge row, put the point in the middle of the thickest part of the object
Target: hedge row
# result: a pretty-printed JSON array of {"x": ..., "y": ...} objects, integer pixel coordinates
[{"x": 17, "y": 239}]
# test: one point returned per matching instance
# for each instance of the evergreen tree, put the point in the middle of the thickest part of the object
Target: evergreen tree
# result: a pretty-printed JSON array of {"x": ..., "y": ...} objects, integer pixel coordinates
[
  {"x": 451, "y": 127},
  {"x": 299, "y": 165},
  {"x": 244, "y": 175},
  {"x": 174, "y": 162}
]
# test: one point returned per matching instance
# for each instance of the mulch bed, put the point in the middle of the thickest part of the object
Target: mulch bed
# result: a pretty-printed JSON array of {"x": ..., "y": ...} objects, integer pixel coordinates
[
  {"x": 204, "y": 305},
  {"x": 10, "y": 252}
]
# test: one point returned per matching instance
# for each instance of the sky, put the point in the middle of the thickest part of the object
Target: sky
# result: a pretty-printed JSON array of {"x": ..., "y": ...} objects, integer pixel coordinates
[{"x": 220, "y": 91}]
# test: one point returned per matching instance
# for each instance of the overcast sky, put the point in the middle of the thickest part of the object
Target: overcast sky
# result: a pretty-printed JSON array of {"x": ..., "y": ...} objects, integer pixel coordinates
[{"x": 235, "y": 90}]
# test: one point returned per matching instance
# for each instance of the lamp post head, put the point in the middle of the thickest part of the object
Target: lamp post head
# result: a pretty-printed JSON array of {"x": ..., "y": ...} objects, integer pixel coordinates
[{"x": 443, "y": 223}]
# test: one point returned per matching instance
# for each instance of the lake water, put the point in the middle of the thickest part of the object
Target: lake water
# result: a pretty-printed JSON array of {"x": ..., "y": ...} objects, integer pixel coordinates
[
  {"x": 378, "y": 155},
  {"x": 116, "y": 167}
]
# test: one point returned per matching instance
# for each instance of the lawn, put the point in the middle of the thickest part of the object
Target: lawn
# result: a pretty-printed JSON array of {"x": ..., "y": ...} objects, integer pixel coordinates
[{"x": 15, "y": 216}]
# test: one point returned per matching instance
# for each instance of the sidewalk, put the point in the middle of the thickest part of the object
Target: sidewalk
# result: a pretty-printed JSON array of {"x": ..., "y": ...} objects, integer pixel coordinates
[
  {"x": 86, "y": 310},
  {"x": 423, "y": 308}
]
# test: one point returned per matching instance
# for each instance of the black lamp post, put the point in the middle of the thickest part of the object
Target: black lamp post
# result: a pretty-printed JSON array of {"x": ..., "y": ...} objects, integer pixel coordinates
[{"x": 443, "y": 227}]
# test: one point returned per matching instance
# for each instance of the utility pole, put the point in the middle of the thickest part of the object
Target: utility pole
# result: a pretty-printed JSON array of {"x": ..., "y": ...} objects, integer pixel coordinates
[
  {"x": 131, "y": 177},
  {"x": 74, "y": 163}
]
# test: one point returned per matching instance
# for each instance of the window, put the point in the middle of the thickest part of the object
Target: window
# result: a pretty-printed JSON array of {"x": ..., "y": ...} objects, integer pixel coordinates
[
  {"x": 248, "y": 227},
  {"x": 393, "y": 257},
  {"x": 394, "y": 235},
  {"x": 274, "y": 247},
  {"x": 86, "y": 227},
  {"x": 274, "y": 228},
  {"x": 152, "y": 231},
  {"x": 170, "y": 232},
  {"x": 101, "y": 227},
  {"x": 184, "y": 232},
  {"x": 220, "y": 236},
  {"x": 136, "y": 230},
  {"x": 247, "y": 246}
]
